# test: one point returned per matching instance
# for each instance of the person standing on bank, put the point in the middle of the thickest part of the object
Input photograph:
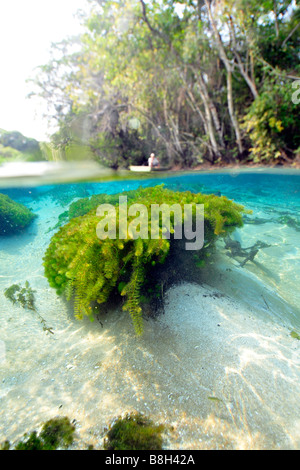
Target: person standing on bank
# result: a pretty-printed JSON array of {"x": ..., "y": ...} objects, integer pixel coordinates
[{"x": 153, "y": 161}]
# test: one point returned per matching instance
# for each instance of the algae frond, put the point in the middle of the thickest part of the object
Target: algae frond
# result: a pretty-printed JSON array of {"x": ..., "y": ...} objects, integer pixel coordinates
[
  {"x": 24, "y": 297},
  {"x": 56, "y": 433},
  {"x": 14, "y": 217},
  {"x": 134, "y": 432},
  {"x": 78, "y": 264}
]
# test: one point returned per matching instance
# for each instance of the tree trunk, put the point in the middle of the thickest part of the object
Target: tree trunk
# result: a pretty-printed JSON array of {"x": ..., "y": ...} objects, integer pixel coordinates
[
  {"x": 276, "y": 18},
  {"x": 232, "y": 113},
  {"x": 250, "y": 81},
  {"x": 208, "y": 124},
  {"x": 228, "y": 67},
  {"x": 211, "y": 107},
  {"x": 196, "y": 108}
]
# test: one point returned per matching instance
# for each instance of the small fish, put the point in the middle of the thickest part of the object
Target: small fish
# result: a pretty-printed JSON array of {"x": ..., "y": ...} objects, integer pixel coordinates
[{"x": 216, "y": 399}]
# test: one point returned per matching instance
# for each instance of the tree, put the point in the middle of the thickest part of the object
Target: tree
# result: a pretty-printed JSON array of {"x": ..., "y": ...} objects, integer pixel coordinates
[{"x": 178, "y": 78}]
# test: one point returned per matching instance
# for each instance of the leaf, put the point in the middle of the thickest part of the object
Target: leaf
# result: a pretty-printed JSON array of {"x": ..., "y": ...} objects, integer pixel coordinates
[{"x": 295, "y": 335}]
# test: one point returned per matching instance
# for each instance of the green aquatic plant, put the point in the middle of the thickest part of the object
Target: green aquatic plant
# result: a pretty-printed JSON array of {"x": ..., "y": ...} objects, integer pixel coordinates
[
  {"x": 80, "y": 265},
  {"x": 30, "y": 442},
  {"x": 85, "y": 205},
  {"x": 62, "y": 219},
  {"x": 295, "y": 335},
  {"x": 24, "y": 297},
  {"x": 14, "y": 217},
  {"x": 134, "y": 432},
  {"x": 5, "y": 445},
  {"x": 56, "y": 433}
]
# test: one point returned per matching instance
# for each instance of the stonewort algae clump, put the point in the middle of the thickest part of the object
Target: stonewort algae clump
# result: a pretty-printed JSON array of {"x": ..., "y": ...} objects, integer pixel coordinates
[
  {"x": 56, "y": 433},
  {"x": 78, "y": 263},
  {"x": 134, "y": 432},
  {"x": 14, "y": 217}
]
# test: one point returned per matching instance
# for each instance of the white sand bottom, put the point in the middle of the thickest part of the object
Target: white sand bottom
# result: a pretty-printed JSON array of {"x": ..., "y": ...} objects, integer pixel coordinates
[{"x": 223, "y": 378}]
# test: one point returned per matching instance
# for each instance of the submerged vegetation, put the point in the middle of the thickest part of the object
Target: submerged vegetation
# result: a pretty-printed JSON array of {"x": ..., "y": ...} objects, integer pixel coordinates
[
  {"x": 14, "y": 217},
  {"x": 55, "y": 433},
  {"x": 78, "y": 263},
  {"x": 134, "y": 432},
  {"x": 24, "y": 297},
  {"x": 295, "y": 335}
]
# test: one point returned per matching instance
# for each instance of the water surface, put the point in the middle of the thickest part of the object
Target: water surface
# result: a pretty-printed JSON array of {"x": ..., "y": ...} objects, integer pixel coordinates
[{"x": 249, "y": 361}]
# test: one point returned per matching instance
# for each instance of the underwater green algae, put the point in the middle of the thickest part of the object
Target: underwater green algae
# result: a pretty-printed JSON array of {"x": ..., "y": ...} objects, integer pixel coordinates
[
  {"x": 77, "y": 263},
  {"x": 295, "y": 335},
  {"x": 56, "y": 433},
  {"x": 134, "y": 432},
  {"x": 24, "y": 297},
  {"x": 14, "y": 217}
]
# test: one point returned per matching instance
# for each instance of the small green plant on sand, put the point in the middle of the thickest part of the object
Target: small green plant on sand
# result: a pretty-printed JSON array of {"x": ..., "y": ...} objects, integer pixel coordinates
[
  {"x": 134, "y": 432},
  {"x": 30, "y": 442},
  {"x": 56, "y": 433},
  {"x": 78, "y": 264},
  {"x": 24, "y": 297},
  {"x": 14, "y": 217},
  {"x": 295, "y": 335}
]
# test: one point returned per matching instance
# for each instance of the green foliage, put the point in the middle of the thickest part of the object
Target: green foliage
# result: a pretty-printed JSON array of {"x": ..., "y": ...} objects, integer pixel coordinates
[
  {"x": 30, "y": 442},
  {"x": 295, "y": 335},
  {"x": 85, "y": 205},
  {"x": 272, "y": 122},
  {"x": 78, "y": 263},
  {"x": 5, "y": 445},
  {"x": 134, "y": 432},
  {"x": 23, "y": 296},
  {"x": 56, "y": 433},
  {"x": 14, "y": 217},
  {"x": 14, "y": 146},
  {"x": 150, "y": 76},
  {"x": 9, "y": 154}
]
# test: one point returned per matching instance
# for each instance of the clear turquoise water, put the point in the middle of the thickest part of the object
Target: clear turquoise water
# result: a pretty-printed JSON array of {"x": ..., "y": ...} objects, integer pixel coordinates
[
  {"x": 268, "y": 285},
  {"x": 274, "y": 199}
]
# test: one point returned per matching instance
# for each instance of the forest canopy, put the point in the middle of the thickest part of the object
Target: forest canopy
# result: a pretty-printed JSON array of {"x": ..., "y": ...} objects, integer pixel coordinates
[{"x": 194, "y": 81}]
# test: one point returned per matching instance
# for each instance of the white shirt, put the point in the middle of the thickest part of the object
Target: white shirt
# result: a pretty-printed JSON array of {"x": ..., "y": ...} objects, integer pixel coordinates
[{"x": 155, "y": 162}]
